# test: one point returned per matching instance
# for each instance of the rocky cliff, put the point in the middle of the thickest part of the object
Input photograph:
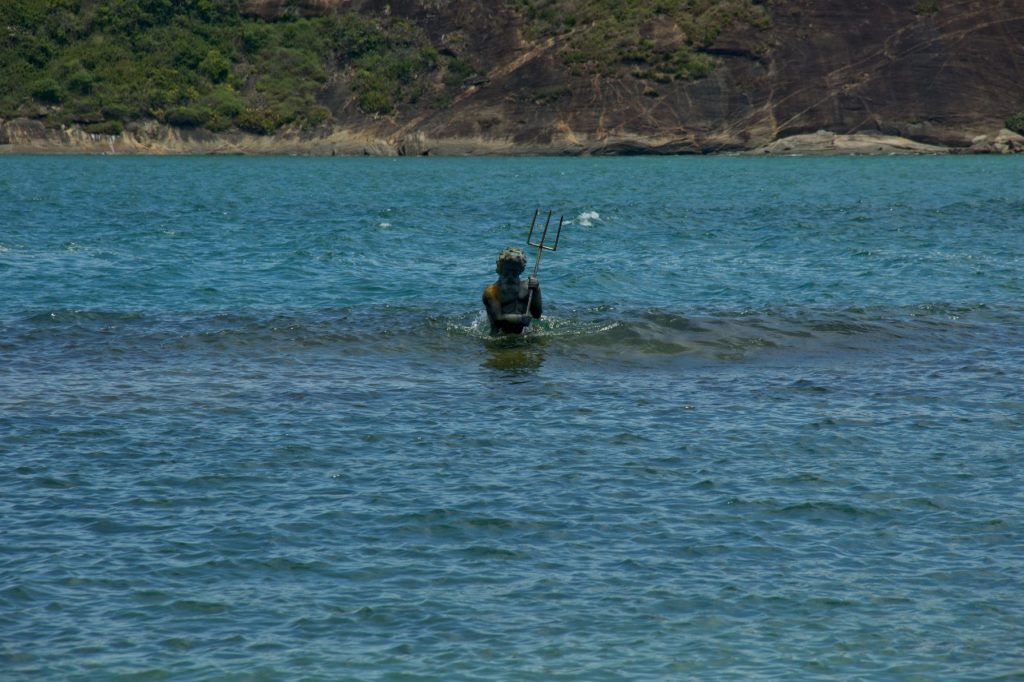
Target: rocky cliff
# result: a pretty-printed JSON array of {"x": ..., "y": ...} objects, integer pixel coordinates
[
  {"x": 942, "y": 73},
  {"x": 946, "y": 73}
]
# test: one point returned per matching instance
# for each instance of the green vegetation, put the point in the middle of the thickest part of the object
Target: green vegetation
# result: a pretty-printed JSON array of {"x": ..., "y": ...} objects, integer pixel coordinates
[
  {"x": 924, "y": 7},
  {"x": 1016, "y": 123},
  {"x": 197, "y": 63},
  {"x": 104, "y": 64},
  {"x": 660, "y": 40}
]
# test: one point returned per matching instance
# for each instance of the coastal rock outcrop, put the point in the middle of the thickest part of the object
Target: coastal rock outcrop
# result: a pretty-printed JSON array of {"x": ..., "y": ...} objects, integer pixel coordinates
[{"x": 857, "y": 144}]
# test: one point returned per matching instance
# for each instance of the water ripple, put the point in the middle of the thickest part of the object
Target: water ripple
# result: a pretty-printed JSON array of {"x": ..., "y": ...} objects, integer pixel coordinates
[{"x": 254, "y": 425}]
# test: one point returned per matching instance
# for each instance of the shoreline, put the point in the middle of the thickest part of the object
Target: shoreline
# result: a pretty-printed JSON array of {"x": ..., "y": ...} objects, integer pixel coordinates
[{"x": 30, "y": 137}]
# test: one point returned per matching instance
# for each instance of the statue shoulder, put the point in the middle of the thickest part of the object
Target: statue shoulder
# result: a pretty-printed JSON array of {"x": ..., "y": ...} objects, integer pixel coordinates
[{"x": 491, "y": 292}]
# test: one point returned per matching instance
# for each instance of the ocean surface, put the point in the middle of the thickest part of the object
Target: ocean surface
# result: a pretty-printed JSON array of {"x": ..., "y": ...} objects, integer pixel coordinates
[{"x": 253, "y": 425}]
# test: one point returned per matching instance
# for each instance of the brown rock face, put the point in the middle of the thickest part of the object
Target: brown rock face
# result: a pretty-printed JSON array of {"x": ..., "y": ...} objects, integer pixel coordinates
[
  {"x": 871, "y": 66},
  {"x": 940, "y": 73}
]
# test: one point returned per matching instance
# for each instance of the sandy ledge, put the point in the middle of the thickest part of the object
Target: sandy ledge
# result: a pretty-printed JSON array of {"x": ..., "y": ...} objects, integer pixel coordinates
[{"x": 24, "y": 136}]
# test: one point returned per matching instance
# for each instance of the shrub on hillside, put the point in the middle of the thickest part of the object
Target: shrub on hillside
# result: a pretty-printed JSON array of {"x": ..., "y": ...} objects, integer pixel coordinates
[
  {"x": 47, "y": 90},
  {"x": 192, "y": 116},
  {"x": 1016, "y": 123},
  {"x": 261, "y": 121},
  {"x": 105, "y": 128}
]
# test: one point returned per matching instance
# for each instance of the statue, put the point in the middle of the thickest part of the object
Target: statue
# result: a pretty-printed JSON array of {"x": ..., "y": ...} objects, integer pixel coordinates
[{"x": 512, "y": 303}]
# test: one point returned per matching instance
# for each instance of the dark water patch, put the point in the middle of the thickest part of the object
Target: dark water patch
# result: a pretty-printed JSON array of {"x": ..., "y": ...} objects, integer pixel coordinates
[
  {"x": 801, "y": 478},
  {"x": 205, "y": 608},
  {"x": 490, "y": 552},
  {"x": 288, "y": 564},
  {"x": 110, "y": 526},
  {"x": 822, "y": 510}
]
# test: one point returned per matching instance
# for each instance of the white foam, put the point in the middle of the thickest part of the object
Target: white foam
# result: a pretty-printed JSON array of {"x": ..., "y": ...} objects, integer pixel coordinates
[
  {"x": 479, "y": 326},
  {"x": 587, "y": 218}
]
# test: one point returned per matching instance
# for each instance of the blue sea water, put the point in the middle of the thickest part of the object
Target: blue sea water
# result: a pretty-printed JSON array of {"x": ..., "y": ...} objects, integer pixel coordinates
[{"x": 253, "y": 427}]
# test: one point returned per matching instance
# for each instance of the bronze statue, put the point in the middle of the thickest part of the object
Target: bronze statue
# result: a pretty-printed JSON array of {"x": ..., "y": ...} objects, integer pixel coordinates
[{"x": 512, "y": 303}]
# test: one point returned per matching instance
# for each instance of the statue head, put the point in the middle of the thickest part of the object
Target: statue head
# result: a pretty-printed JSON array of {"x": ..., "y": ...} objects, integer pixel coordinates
[{"x": 511, "y": 261}]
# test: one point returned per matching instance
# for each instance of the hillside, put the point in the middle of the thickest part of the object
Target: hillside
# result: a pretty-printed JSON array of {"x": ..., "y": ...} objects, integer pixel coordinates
[{"x": 512, "y": 76}]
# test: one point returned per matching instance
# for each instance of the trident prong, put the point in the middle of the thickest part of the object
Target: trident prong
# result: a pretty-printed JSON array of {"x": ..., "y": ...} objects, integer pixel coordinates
[{"x": 544, "y": 234}]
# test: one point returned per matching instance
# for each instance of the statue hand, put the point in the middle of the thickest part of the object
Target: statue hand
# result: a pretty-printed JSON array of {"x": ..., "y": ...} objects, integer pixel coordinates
[{"x": 533, "y": 283}]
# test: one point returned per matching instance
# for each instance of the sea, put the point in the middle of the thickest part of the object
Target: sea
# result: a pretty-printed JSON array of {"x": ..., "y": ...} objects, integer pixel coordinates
[{"x": 254, "y": 426}]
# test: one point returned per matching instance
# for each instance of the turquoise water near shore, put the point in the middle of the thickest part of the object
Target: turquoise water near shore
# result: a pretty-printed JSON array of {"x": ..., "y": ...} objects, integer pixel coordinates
[{"x": 252, "y": 425}]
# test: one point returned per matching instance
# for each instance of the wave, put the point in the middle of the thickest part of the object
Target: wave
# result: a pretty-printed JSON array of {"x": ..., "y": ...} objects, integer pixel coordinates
[
  {"x": 587, "y": 218},
  {"x": 600, "y": 332},
  {"x": 749, "y": 335}
]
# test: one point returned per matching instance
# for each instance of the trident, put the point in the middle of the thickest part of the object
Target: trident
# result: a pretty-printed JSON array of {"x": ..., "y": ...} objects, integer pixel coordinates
[{"x": 541, "y": 246}]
